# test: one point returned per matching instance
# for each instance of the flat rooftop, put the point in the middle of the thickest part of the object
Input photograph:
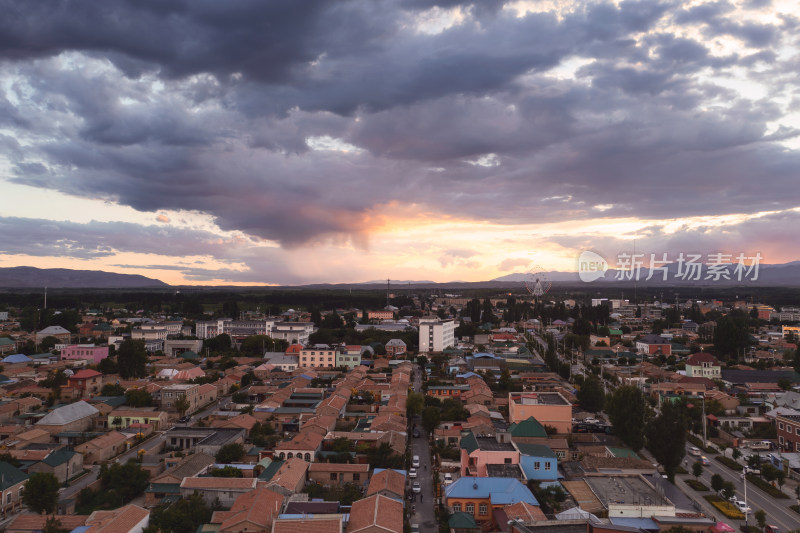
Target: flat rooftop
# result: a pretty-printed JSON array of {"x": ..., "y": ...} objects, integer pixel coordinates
[
  {"x": 539, "y": 398},
  {"x": 490, "y": 444},
  {"x": 630, "y": 490},
  {"x": 512, "y": 471}
]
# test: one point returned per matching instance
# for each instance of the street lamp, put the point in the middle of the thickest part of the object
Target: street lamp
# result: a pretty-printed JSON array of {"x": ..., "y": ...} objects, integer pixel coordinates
[{"x": 744, "y": 482}]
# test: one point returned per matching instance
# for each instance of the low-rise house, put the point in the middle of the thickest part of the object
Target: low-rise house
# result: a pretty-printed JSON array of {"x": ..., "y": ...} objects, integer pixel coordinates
[
  {"x": 123, "y": 418},
  {"x": 376, "y": 514},
  {"x": 395, "y": 347},
  {"x": 89, "y": 352},
  {"x": 389, "y": 483},
  {"x": 538, "y": 462},
  {"x": 479, "y": 452},
  {"x": 12, "y": 484},
  {"x": 103, "y": 448},
  {"x": 549, "y": 408},
  {"x": 703, "y": 365},
  {"x": 480, "y": 497},
  {"x": 304, "y": 445},
  {"x": 290, "y": 477},
  {"x": 128, "y": 519},
  {"x": 170, "y": 394},
  {"x": 86, "y": 383},
  {"x": 224, "y": 489},
  {"x": 69, "y": 418},
  {"x": 204, "y": 439},
  {"x": 9, "y": 410},
  {"x": 338, "y": 474},
  {"x": 252, "y": 511},
  {"x": 35, "y": 523},
  {"x": 327, "y": 523},
  {"x": 63, "y": 463},
  {"x": 63, "y": 335},
  {"x": 168, "y": 483}
]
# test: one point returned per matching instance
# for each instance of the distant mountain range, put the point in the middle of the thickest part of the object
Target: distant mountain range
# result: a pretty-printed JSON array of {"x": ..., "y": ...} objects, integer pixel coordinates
[
  {"x": 63, "y": 278},
  {"x": 768, "y": 275}
]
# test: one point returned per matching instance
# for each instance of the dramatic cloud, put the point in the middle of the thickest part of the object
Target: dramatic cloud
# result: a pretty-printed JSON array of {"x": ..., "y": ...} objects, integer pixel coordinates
[{"x": 309, "y": 124}]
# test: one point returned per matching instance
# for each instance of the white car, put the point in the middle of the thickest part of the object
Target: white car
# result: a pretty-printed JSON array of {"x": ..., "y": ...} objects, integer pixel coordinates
[
  {"x": 591, "y": 420},
  {"x": 414, "y": 528},
  {"x": 694, "y": 450},
  {"x": 412, "y": 473},
  {"x": 416, "y": 488},
  {"x": 742, "y": 506},
  {"x": 448, "y": 479}
]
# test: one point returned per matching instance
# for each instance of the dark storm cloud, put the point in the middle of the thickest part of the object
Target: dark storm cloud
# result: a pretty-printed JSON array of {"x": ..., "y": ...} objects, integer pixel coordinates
[{"x": 214, "y": 107}]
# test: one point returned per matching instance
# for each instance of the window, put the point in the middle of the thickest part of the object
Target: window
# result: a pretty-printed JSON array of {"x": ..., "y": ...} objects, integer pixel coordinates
[
  {"x": 333, "y": 476},
  {"x": 547, "y": 465},
  {"x": 308, "y": 456},
  {"x": 537, "y": 465},
  {"x": 457, "y": 508},
  {"x": 797, "y": 446},
  {"x": 483, "y": 508},
  {"x": 560, "y": 454},
  {"x": 780, "y": 425},
  {"x": 356, "y": 477},
  {"x": 780, "y": 439},
  {"x": 507, "y": 461},
  {"x": 470, "y": 508},
  {"x": 289, "y": 455},
  {"x": 797, "y": 431},
  {"x": 8, "y": 498}
]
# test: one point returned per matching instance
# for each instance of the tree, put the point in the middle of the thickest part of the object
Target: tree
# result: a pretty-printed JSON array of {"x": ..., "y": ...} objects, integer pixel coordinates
[
  {"x": 41, "y": 492},
  {"x": 182, "y": 405},
  {"x": 666, "y": 437},
  {"x": 716, "y": 482},
  {"x": 383, "y": 456},
  {"x": 769, "y": 472},
  {"x": 183, "y": 516},
  {"x": 112, "y": 389},
  {"x": 736, "y": 454},
  {"x": 53, "y": 525},
  {"x": 415, "y": 402},
  {"x": 138, "y": 398},
  {"x": 761, "y": 519},
  {"x": 627, "y": 411},
  {"x": 230, "y": 453},
  {"x": 132, "y": 359},
  {"x": 431, "y": 417},
  {"x": 697, "y": 469},
  {"x": 226, "y": 471},
  {"x": 47, "y": 343},
  {"x": 780, "y": 478},
  {"x": 128, "y": 480},
  {"x": 728, "y": 489},
  {"x": 591, "y": 396},
  {"x": 108, "y": 366}
]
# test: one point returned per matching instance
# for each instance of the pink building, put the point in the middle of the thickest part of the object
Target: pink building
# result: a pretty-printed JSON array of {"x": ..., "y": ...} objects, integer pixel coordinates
[
  {"x": 548, "y": 408},
  {"x": 488, "y": 457},
  {"x": 90, "y": 352}
]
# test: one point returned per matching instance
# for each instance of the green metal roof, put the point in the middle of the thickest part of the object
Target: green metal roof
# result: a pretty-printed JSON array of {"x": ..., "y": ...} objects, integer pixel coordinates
[
  {"x": 469, "y": 442},
  {"x": 10, "y": 475},
  {"x": 536, "y": 450},
  {"x": 462, "y": 520},
  {"x": 529, "y": 427},
  {"x": 271, "y": 470},
  {"x": 58, "y": 457}
]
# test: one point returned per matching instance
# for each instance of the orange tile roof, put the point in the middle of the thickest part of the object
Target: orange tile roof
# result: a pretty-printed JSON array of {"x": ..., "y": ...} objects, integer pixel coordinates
[
  {"x": 216, "y": 483},
  {"x": 258, "y": 507},
  {"x": 307, "y": 524},
  {"x": 525, "y": 512},
  {"x": 290, "y": 474},
  {"x": 337, "y": 467},
  {"x": 389, "y": 480},
  {"x": 120, "y": 520},
  {"x": 36, "y": 522},
  {"x": 376, "y": 511}
]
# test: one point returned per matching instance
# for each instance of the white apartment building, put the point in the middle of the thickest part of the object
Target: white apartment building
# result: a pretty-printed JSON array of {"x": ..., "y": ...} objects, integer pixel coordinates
[
  {"x": 435, "y": 335},
  {"x": 291, "y": 332}
]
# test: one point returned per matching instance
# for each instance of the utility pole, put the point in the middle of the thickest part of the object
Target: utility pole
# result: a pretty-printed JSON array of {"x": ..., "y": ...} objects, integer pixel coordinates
[{"x": 704, "y": 421}]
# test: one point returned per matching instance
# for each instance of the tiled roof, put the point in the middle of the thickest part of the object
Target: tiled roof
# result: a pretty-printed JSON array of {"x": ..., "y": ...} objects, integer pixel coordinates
[
  {"x": 337, "y": 467},
  {"x": 376, "y": 511},
  {"x": 290, "y": 474},
  {"x": 307, "y": 525},
  {"x": 258, "y": 506},
  {"x": 218, "y": 483},
  {"x": 388, "y": 480},
  {"x": 36, "y": 522},
  {"x": 10, "y": 475},
  {"x": 120, "y": 520},
  {"x": 525, "y": 512}
]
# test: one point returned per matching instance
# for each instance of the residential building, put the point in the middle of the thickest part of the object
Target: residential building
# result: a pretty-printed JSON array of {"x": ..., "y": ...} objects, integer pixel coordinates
[
  {"x": 388, "y": 482},
  {"x": 548, "y": 408},
  {"x": 316, "y": 523},
  {"x": 654, "y": 345},
  {"x": 128, "y": 519},
  {"x": 224, "y": 489},
  {"x": 436, "y": 335},
  {"x": 177, "y": 347},
  {"x": 69, "y": 418},
  {"x": 349, "y": 357},
  {"x": 86, "y": 383},
  {"x": 380, "y": 315},
  {"x": 90, "y": 352},
  {"x": 482, "y": 496},
  {"x": 703, "y": 365},
  {"x": 63, "y": 335},
  {"x": 395, "y": 347},
  {"x": 123, "y": 418},
  {"x": 171, "y": 393},
  {"x": 538, "y": 462},
  {"x": 252, "y": 511},
  {"x": 62, "y": 463},
  {"x": 103, "y": 448},
  {"x": 788, "y": 427},
  {"x": 376, "y": 514},
  {"x": 338, "y": 474},
  {"x": 477, "y": 453},
  {"x": 318, "y": 357},
  {"x": 12, "y": 485}
]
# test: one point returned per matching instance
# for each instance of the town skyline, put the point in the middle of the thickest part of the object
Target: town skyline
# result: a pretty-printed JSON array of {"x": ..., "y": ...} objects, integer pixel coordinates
[{"x": 442, "y": 141}]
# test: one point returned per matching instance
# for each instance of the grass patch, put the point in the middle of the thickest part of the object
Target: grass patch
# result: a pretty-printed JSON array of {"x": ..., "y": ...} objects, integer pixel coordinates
[
  {"x": 795, "y": 508},
  {"x": 699, "y": 443},
  {"x": 766, "y": 487},
  {"x": 730, "y": 463},
  {"x": 726, "y": 508},
  {"x": 681, "y": 470},
  {"x": 696, "y": 485}
]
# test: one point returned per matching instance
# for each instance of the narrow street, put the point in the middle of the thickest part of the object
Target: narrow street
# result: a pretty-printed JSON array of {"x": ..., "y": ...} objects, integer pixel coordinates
[{"x": 425, "y": 515}]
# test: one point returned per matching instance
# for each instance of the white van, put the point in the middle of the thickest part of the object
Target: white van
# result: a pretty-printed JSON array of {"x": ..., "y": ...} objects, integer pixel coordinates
[{"x": 415, "y": 461}]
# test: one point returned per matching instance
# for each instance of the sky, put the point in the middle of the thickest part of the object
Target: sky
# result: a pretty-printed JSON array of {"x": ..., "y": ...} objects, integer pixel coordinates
[{"x": 288, "y": 142}]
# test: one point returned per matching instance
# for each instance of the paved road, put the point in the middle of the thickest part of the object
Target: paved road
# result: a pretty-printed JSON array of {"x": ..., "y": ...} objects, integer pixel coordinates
[
  {"x": 777, "y": 510},
  {"x": 425, "y": 514},
  {"x": 82, "y": 483}
]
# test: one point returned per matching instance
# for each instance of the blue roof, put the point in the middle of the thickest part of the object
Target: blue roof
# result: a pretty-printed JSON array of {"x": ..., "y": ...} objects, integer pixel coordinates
[
  {"x": 16, "y": 358},
  {"x": 483, "y": 355},
  {"x": 501, "y": 490},
  {"x": 640, "y": 523},
  {"x": 467, "y": 375}
]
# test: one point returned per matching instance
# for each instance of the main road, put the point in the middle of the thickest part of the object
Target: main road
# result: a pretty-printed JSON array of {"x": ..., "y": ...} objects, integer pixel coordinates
[
  {"x": 425, "y": 514},
  {"x": 778, "y": 512}
]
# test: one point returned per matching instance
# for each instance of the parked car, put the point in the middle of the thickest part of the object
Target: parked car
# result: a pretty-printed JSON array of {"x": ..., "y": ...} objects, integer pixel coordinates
[
  {"x": 414, "y": 528},
  {"x": 772, "y": 529},
  {"x": 415, "y": 461},
  {"x": 590, "y": 420},
  {"x": 448, "y": 479},
  {"x": 742, "y": 506},
  {"x": 694, "y": 450},
  {"x": 751, "y": 470},
  {"x": 416, "y": 433},
  {"x": 412, "y": 473},
  {"x": 184, "y": 419},
  {"x": 416, "y": 488}
]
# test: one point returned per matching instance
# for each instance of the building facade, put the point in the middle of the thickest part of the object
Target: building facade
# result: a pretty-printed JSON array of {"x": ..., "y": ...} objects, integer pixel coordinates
[{"x": 436, "y": 335}]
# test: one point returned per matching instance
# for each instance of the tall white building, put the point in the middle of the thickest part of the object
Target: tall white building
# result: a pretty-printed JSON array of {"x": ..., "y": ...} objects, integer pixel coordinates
[{"x": 436, "y": 335}]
